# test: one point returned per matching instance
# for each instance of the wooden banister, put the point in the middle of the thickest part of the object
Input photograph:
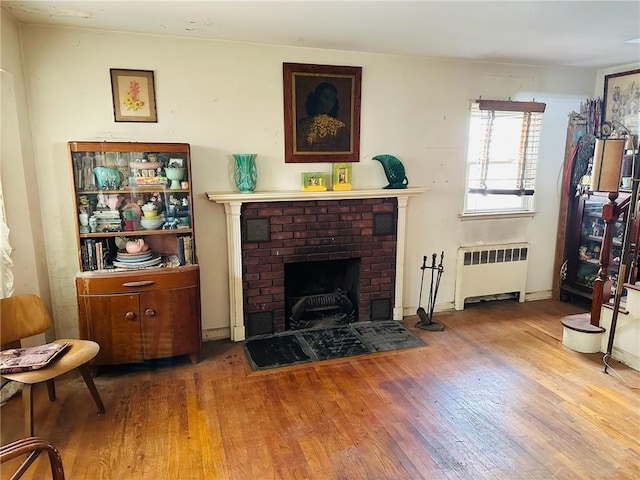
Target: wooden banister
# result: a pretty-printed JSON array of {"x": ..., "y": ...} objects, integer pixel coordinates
[{"x": 602, "y": 284}]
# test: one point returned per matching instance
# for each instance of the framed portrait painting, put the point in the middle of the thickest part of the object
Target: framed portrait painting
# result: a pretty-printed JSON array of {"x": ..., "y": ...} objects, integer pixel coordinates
[
  {"x": 134, "y": 97},
  {"x": 321, "y": 113},
  {"x": 622, "y": 100}
]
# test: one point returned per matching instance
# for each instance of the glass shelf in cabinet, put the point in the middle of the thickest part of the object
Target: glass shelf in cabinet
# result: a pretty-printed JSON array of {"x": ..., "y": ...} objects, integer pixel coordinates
[
  {"x": 591, "y": 238},
  {"x": 136, "y": 233},
  {"x": 145, "y": 189}
]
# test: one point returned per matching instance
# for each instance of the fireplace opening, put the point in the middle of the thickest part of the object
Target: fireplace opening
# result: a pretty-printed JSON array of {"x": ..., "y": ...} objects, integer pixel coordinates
[{"x": 321, "y": 293}]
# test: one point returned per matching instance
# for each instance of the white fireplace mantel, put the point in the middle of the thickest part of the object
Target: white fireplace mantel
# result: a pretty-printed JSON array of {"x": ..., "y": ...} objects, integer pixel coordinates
[{"x": 233, "y": 203}]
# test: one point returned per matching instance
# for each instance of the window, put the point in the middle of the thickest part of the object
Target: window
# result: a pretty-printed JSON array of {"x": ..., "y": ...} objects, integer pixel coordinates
[{"x": 504, "y": 137}]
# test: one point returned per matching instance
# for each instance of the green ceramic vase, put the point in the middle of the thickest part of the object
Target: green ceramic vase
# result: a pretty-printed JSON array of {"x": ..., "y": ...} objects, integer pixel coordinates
[{"x": 246, "y": 172}]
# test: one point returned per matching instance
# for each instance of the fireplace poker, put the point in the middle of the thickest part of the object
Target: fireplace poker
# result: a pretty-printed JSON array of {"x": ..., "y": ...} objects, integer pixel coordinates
[
  {"x": 426, "y": 322},
  {"x": 438, "y": 277},
  {"x": 422, "y": 314},
  {"x": 433, "y": 269}
]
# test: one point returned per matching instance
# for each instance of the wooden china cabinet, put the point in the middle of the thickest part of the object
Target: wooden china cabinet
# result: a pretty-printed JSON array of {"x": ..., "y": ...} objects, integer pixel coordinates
[
  {"x": 585, "y": 240},
  {"x": 138, "y": 288}
]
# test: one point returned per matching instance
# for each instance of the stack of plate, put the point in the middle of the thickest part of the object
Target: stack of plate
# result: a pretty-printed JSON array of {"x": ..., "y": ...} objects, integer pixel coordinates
[{"x": 136, "y": 260}]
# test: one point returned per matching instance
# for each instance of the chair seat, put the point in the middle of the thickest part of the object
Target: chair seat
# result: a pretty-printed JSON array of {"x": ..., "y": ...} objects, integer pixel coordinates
[{"x": 77, "y": 353}]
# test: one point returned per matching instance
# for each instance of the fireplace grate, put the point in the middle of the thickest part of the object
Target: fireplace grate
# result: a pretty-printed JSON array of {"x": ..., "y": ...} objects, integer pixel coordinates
[
  {"x": 321, "y": 302},
  {"x": 313, "y": 304}
]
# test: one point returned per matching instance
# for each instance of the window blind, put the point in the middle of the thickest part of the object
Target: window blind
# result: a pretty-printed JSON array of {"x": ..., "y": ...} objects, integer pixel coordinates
[{"x": 503, "y": 147}]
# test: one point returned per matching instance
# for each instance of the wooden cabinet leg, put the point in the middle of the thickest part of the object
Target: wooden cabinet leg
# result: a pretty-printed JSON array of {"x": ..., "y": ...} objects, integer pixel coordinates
[{"x": 194, "y": 357}]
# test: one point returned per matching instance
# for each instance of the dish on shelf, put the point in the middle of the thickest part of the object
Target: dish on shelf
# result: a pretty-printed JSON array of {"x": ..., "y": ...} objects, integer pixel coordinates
[
  {"x": 123, "y": 253},
  {"x": 135, "y": 257},
  {"x": 155, "y": 259},
  {"x": 152, "y": 223}
]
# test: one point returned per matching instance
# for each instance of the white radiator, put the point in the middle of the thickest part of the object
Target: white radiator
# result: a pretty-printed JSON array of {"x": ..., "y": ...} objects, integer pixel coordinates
[{"x": 491, "y": 270}]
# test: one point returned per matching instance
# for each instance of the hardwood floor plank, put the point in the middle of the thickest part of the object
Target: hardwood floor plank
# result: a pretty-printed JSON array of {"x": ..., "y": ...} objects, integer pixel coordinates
[{"x": 494, "y": 396}]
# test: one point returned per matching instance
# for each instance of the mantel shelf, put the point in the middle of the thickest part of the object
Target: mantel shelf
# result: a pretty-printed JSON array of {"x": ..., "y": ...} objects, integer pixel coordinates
[{"x": 298, "y": 195}]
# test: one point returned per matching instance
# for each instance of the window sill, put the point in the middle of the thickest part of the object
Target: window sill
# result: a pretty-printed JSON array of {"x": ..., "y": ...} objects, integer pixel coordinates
[{"x": 495, "y": 215}]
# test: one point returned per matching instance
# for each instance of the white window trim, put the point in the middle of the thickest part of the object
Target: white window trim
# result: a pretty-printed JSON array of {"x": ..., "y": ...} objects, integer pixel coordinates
[{"x": 527, "y": 208}]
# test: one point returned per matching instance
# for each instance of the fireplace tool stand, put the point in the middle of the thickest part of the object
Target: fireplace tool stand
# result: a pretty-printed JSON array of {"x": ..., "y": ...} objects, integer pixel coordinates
[{"x": 426, "y": 316}]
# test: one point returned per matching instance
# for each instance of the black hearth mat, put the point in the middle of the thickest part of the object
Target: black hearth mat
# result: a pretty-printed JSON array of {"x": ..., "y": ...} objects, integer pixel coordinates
[{"x": 302, "y": 346}]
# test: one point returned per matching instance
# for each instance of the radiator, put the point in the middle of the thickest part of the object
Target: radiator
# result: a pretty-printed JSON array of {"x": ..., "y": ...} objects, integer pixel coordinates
[{"x": 491, "y": 270}]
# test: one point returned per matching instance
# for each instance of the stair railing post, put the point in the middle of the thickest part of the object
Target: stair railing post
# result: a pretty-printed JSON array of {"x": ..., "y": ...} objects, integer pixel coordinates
[{"x": 602, "y": 284}]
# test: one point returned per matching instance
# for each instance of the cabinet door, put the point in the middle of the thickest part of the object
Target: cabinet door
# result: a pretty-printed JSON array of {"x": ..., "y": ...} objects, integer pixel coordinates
[
  {"x": 113, "y": 322},
  {"x": 170, "y": 322},
  {"x": 590, "y": 243}
]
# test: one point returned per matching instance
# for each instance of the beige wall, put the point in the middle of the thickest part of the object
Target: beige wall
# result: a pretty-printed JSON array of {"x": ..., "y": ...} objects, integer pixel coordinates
[
  {"x": 18, "y": 172},
  {"x": 225, "y": 97}
]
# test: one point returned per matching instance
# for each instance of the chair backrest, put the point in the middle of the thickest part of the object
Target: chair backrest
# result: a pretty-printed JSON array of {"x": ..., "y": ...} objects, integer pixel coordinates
[{"x": 22, "y": 316}]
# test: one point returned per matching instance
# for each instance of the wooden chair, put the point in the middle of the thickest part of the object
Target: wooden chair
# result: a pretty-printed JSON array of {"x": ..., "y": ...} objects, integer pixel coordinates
[
  {"x": 32, "y": 447},
  {"x": 22, "y": 316}
]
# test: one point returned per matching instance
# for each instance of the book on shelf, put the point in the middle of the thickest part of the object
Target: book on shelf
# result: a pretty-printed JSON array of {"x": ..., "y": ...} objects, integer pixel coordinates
[
  {"x": 99, "y": 256},
  {"x": 93, "y": 254},
  {"x": 180, "y": 250},
  {"x": 185, "y": 250}
]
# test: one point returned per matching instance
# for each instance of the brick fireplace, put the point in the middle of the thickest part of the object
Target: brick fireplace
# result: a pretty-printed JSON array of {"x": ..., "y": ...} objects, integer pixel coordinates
[
  {"x": 275, "y": 234},
  {"x": 268, "y": 231}
]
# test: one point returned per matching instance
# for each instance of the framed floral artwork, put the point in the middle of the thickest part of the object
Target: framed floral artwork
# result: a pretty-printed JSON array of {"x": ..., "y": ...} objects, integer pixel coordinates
[
  {"x": 134, "y": 97},
  {"x": 622, "y": 100},
  {"x": 321, "y": 113}
]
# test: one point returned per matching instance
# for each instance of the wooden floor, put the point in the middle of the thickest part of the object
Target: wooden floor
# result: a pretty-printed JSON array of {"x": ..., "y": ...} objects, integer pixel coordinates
[{"x": 494, "y": 396}]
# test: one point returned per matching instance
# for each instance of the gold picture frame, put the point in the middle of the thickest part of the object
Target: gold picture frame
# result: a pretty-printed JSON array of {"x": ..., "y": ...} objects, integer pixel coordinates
[
  {"x": 341, "y": 176},
  {"x": 134, "y": 96},
  {"x": 314, "y": 182},
  {"x": 321, "y": 113}
]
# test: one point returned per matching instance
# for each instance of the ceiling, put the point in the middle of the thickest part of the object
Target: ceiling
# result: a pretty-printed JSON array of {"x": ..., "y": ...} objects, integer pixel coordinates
[{"x": 555, "y": 33}]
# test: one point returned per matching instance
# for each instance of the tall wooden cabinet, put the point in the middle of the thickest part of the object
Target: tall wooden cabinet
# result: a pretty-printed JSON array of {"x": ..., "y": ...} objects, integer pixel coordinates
[
  {"x": 138, "y": 288},
  {"x": 584, "y": 241}
]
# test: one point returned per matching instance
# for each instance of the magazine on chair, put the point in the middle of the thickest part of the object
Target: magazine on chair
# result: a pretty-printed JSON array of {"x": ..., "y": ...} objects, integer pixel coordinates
[{"x": 16, "y": 360}]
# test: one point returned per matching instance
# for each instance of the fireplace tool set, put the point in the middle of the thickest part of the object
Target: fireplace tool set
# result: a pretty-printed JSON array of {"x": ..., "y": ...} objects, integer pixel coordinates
[{"x": 426, "y": 316}]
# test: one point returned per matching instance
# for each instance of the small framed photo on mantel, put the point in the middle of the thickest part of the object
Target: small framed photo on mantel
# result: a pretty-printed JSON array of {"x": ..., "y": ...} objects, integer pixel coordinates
[
  {"x": 134, "y": 96},
  {"x": 314, "y": 182},
  {"x": 341, "y": 176}
]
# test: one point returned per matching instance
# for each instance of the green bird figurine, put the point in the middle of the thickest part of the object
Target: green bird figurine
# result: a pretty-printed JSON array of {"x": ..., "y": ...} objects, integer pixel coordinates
[{"x": 394, "y": 170}]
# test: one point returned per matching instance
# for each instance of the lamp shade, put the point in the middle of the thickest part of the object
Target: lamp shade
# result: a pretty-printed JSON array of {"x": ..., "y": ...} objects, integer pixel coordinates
[{"x": 607, "y": 163}]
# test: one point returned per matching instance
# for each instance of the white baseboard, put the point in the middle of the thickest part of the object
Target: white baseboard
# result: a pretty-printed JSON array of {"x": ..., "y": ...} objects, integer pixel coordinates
[
  {"x": 450, "y": 306},
  {"x": 539, "y": 295},
  {"x": 216, "y": 333},
  {"x": 626, "y": 358}
]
